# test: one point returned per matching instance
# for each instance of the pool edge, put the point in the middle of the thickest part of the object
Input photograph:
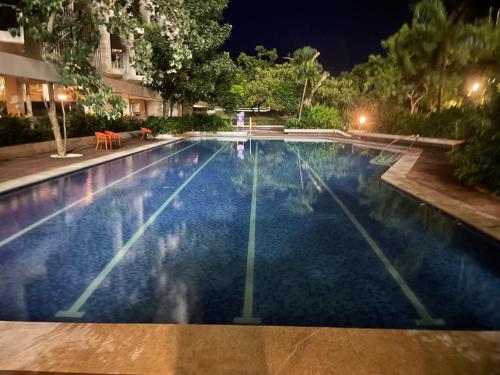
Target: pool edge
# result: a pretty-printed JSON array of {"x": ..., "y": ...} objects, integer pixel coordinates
[
  {"x": 9, "y": 186},
  {"x": 213, "y": 349},
  {"x": 396, "y": 176}
]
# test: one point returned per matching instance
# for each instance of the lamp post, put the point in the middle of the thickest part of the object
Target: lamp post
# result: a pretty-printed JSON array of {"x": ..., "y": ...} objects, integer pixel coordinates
[{"x": 62, "y": 98}]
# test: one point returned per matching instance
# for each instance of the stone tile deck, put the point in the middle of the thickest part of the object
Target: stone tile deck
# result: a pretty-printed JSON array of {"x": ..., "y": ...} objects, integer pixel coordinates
[
  {"x": 192, "y": 349},
  {"x": 428, "y": 175},
  {"x": 18, "y": 172}
]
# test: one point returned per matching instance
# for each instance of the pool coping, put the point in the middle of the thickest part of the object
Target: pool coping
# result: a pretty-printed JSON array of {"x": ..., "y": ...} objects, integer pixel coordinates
[
  {"x": 21, "y": 182},
  {"x": 396, "y": 176},
  {"x": 102, "y": 348}
]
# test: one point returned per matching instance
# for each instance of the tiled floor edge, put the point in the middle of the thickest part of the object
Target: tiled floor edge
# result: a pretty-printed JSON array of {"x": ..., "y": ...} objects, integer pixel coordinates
[
  {"x": 89, "y": 348},
  {"x": 396, "y": 176},
  {"x": 24, "y": 181}
]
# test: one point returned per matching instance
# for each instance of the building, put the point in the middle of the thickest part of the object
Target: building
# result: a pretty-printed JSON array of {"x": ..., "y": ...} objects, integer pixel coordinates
[{"x": 24, "y": 75}]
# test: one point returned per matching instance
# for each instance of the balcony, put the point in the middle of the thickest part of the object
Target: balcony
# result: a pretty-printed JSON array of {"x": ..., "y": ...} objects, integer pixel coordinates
[{"x": 117, "y": 63}]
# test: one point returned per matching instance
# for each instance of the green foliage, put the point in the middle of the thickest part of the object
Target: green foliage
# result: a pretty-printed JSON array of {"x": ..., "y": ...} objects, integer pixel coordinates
[
  {"x": 452, "y": 123},
  {"x": 318, "y": 117},
  {"x": 201, "y": 74},
  {"x": 231, "y": 99},
  {"x": 179, "y": 125},
  {"x": 248, "y": 64},
  {"x": 18, "y": 130},
  {"x": 274, "y": 87},
  {"x": 478, "y": 161}
]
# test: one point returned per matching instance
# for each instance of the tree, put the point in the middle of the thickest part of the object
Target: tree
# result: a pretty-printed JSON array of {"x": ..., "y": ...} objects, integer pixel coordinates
[
  {"x": 309, "y": 71},
  {"x": 202, "y": 72},
  {"x": 69, "y": 32},
  {"x": 249, "y": 64},
  {"x": 446, "y": 37}
]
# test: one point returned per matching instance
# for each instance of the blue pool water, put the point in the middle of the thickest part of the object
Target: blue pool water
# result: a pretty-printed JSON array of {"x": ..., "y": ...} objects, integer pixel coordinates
[{"x": 267, "y": 232}]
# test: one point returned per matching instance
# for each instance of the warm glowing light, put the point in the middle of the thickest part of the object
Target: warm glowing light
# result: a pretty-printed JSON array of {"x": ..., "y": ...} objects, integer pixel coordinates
[
  {"x": 62, "y": 97},
  {"x": 475, "y": 87},
  {"x": 362, "y": 120}
]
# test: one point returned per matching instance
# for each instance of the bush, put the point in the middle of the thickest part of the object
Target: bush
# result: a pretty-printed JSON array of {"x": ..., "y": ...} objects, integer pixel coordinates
[
  {"x": 453, "y": 123},
  {"x": 318, "y": 117},
  {"x": 19, "y": 130},
  {"x": 178, "y": 125},
  {"x": 478, "y": 161}
]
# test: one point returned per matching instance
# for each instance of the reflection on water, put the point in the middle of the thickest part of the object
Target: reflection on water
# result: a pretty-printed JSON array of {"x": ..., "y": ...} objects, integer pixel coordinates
[{"x": 189, "y": 265}]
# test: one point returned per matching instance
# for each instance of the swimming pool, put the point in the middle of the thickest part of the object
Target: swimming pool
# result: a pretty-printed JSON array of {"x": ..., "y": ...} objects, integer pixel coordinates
[{"x": 265, "y": 232}]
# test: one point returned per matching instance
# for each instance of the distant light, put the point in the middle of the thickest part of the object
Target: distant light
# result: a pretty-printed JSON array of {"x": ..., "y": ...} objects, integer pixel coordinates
[
  {"x": 62, "y": 97},
  {"x": 362, "y": 120},
  {"x": 475, "y": 87}
]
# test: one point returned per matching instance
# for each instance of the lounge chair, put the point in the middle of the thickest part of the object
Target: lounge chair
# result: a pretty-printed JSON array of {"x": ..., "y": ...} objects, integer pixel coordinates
[
  {"x": 103, "y": 138},
  {"x": 114, "y": 137},
  {"x": 146, "y": 133}
]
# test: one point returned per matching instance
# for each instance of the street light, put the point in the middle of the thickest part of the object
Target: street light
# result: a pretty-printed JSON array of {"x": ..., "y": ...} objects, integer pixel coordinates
[
  {"x": 362, "y": 120},
  {"x": 476, "y": 86},
  {"x": 62, "y": 98}
]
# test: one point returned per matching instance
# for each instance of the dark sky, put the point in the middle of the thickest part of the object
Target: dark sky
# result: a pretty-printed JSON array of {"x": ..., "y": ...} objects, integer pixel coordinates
[{"x": 345, "y": 32}]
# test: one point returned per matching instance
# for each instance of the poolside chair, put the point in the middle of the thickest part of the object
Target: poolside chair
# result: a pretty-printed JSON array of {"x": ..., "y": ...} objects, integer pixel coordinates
[
  {"x": 147, "y": 133},
  {"x": 101, "y": 137},
  {"x": 114, "y": 137}
]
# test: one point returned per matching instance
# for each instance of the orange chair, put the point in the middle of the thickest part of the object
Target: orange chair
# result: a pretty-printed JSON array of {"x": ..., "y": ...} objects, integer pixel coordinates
[
  {"x": 101, "y": 137},
  {"x": 146, "y": 133},
  {"x": 114, "y": 137}
]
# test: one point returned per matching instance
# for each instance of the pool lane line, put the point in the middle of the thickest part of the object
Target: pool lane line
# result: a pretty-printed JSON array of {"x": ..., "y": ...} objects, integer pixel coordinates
[
  {"x": 425, "y": 318},
  {"x": 74, "y": 310},
  {"x": 71, "y": 205},
  {"x": 248, "y": 317}
]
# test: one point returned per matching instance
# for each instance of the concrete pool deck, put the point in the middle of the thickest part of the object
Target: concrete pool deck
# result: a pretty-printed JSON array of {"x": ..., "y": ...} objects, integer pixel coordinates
[{"x": 64, "y": 348}]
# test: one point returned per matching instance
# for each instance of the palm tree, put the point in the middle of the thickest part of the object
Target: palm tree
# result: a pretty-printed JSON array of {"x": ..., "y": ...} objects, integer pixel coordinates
[
  {"x": 309, "y": 70},
  {"x": 446, "y": 35}
]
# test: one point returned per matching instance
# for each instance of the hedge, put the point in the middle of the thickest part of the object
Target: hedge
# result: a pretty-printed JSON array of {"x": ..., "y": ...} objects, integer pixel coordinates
[
  {"x": 179, "y": 125},
  {"x": 19, "y": 130}
]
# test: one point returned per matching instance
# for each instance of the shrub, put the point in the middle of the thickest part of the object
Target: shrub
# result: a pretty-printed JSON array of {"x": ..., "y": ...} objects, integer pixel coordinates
[
  {"x": 478, "y": 161},
  {"x": 178, "y": 125},
  {"x": 452, "y": 123},
  {"x": 318, "y": 117},
  {"x": 18, "y": 130}
]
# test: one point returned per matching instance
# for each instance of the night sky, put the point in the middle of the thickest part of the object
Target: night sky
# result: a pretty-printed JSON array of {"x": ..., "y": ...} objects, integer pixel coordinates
[{"x": 345, "y": 32}]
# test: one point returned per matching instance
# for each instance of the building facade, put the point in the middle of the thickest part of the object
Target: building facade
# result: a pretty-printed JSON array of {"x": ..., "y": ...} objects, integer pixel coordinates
[{"x": 24, "y": 75}]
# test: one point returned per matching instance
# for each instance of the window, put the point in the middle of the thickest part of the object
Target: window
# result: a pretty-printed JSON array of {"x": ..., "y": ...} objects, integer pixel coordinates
[
  {"x": 8, "y": 17},
  {"x": 116, "y": 52}
]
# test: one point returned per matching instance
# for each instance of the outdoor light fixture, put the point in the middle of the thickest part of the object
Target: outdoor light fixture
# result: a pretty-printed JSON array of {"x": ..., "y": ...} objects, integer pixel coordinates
[
  {"x": 362, "y": 120},
  {"x": 476, "y": 86},
  {"x": 62, "y": 97}
]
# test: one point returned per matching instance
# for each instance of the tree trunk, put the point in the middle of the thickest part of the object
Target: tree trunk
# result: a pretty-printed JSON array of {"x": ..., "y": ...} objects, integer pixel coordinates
[
  {"x": 302, "y": 100},
  {"x": 310, "y": 97},
  {"x": 442, "y": 78},
  {"x": 54, "y": 122}
]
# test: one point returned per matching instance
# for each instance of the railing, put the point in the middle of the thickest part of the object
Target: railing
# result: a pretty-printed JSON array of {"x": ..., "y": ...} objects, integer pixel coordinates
[{"x": 381, "y": 156}]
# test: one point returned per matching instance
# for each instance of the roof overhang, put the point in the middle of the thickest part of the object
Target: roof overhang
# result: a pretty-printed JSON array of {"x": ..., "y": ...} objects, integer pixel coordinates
[
  {"x": 132, "y": 89},
  {"x": 24, "y": 67}
]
